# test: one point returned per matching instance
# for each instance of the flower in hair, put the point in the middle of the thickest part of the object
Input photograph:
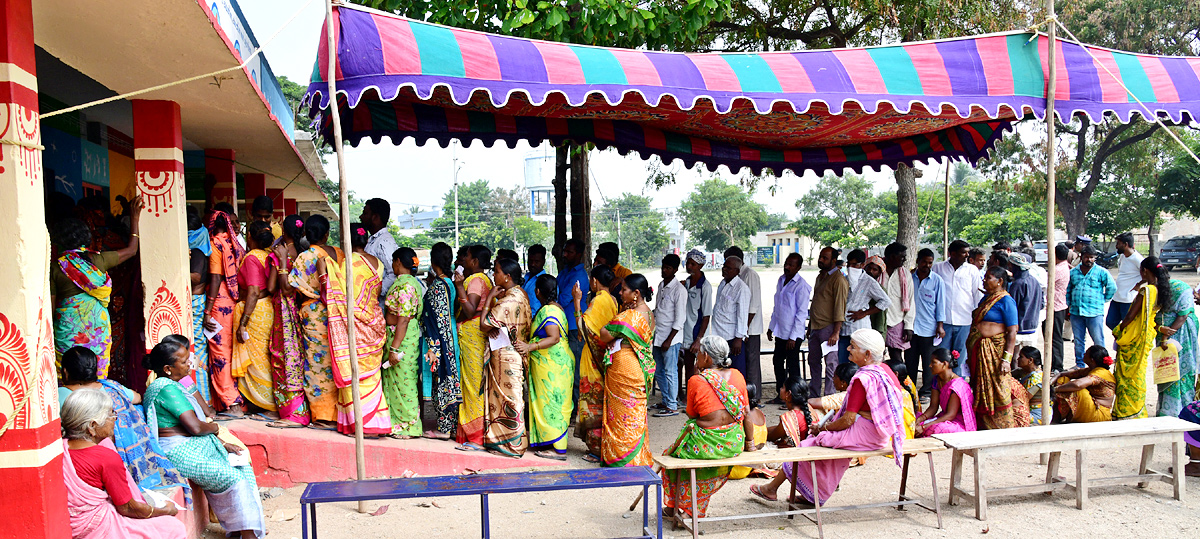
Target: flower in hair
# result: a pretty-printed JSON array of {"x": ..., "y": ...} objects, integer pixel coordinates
[
  {"x": 954, "y": 354},
  {"x": 1108, "y": 361},
  {"x": 361, "y": 231},
  {"x": 299, "y": 223}
]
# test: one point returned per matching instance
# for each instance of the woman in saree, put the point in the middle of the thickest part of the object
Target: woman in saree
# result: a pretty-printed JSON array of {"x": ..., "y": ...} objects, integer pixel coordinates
[
  {"x": 1178, "y": 322},
  {"x": 255, "y": 319},
  {"x": 80, "y": 288},
  {"x": 991, "y": 348},
  {"x": 504, "y": 371},
  {"x": 370, "y": 331},
  {"x": 224, "y": 290},
  {"x": 718, "y": 418},
  {"x": 601, "y": 310},
  {"x": 951, "y": 405},
  {"x": 131, "y": 438},
  {"x": 403, "y": 358},
  {"x": 1086, "y": 395},
  {"x": 551, "y": 370},
  {"x": 1135, "y": 336},
  {"x": 286, "y": 348},
  {"x": 191, "y": 444},
  {"x": 628, "y": 371},
  {"x": 319, "y": 388},
  {"x": 870, "y": 419},
  {"x": 102, "y": 498},
  {"x": 472, "y": 286},
  {"x": 440, "y": 335},
  {"x": 199, "y": 249}
]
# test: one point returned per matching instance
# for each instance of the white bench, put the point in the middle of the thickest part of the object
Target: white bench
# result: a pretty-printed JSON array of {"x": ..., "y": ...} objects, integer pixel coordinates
[
  {"x": 1055, "y": 439},
  {"x": 797, "y": 455}
]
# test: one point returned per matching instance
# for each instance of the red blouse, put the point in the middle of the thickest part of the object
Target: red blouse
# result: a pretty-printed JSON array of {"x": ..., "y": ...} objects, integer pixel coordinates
[{"x": 102, "y": 468}]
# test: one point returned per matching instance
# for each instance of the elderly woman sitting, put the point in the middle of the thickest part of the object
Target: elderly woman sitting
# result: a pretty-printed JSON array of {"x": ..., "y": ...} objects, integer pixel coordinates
[
  {"x": 869, "y": 420},
  {"x": 102, "y": 498},
  {"x": 717, "y": 407},
  {"x": 191, "y": 443}
]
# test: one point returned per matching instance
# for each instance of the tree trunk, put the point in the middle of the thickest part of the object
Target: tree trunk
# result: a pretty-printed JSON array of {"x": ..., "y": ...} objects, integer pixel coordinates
[
  {"x": 1073, "y": 207},
  {"x": 560, "y": 201},
  {"x": 581, "y": 202},
  {"x": 906, "y": 204}
]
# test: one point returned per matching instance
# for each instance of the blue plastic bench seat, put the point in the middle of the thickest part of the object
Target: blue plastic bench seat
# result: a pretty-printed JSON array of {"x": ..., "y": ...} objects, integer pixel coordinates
[{"x": 482, "y": 485}]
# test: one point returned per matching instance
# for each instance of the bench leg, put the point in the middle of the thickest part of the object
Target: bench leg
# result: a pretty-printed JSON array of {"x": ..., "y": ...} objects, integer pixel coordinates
[
  {"x": 1052, "y": 469},
  {"x": 1081, "y": 480},
  {"x": 1147, "y": 455},
  {"x": 695, "y": 517},
  {"x": 483, "y": 509},
  {"x": 658, "y": 507},
  {"x": 304, "y": 521},
  {"x": 792, "y": 496},
  {"x": 980, "y": 484},
  {"x": 903, "y": 481},
  {"x": 312, "y": 512},
  {"x": 937, "y": 502},
  {"x": 1179, "y": 458},
  {"x": 646, "y": 508},
  {"x": 816, "y": 500},
  {"x": 955, "y": 475}
]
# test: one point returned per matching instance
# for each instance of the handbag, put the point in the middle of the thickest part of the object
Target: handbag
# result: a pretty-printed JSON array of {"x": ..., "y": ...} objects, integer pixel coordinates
[{"x": 1165, "y": 359}]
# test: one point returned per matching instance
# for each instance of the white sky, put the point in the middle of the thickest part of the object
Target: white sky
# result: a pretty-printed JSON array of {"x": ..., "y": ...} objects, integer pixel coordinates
[{"x": 409, "y": 174}]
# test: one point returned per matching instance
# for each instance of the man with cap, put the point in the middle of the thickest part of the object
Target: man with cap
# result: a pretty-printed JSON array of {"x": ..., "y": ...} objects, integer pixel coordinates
[
  {"x": 1027, "y": 292},
  {"x": 1088, "y": 290},
  {"x": 699, "y": 311}
]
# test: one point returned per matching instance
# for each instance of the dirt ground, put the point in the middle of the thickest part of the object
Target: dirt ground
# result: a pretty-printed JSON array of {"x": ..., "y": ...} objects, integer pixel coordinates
[{"x": 1114, "y": 511}]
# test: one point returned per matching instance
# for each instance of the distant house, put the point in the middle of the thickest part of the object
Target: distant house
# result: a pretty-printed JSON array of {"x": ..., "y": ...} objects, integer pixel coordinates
[
  {"x": 412, "y": 224},
  {"x": 784, "y": 242}
]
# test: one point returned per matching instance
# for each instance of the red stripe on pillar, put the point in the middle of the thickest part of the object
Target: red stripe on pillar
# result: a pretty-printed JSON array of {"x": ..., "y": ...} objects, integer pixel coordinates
[
  {"x": 277, "y": 202},
  {"x": 256, "y": 185},
  {"x": 289, "y": 206},
  {"x": 37, "y": 438},
  {"x": 35, "y": 502},
  {"x": 16, "y": 17}
]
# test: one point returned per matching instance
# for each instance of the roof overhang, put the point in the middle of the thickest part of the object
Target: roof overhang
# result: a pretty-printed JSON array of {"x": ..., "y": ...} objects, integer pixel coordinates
[{"x": 130, "y": 45}]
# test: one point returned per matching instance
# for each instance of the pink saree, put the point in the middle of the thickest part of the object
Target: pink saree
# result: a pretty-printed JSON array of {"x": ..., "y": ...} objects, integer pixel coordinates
[{"x": 93, "y": 515}]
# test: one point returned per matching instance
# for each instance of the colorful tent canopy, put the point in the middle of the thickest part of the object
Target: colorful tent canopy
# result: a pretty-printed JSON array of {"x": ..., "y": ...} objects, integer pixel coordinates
[{"x": 811, "y": 110}]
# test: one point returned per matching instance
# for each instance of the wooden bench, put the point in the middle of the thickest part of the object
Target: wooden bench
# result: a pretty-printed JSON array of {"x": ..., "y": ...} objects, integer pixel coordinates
[
  {"x": 810, "y": 454},
  {"x": 1054, "y": 439},
  {"x": 482, "y": 485}
]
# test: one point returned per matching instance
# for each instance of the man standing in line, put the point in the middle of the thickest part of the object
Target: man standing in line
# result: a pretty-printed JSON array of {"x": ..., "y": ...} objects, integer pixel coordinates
[
  {"x": 1030, "y": 299},
  {"x": 1090, "y": 287},
  {"x": 867, "y": 299},
  {"x": 825, "y": 318},
  {"x": 754, "y": 324},
  {"x": 1062, "y": 277},
  {"x": 613, "y": 258},
  {"x": 962, "y": 287},
  {"x": 670, "y": 312},
  {"x": 929, "y": 305},
  {"x": 699, "y": 311},
  {"x": 573, "y": 273},
  {"x": 380, "y": 244},
  {"x": 535, "y": 258},
  {"x": 1129, "y": 274},
  {"x": 792, "y": 294},
  {"x": 263, "y": 209},
  {"x": 732, "y": 311},
  {"x": 900, "y": 313}
]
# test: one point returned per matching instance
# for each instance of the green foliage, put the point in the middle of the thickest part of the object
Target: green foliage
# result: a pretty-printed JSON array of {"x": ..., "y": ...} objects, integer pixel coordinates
[
  {"x": 495, "y": 217},
  {"x": 719, "y": 215},
  {"x": 294, "y": 93},
  {"x": 775, "y": 221},
  {"x": 643, "y": 236},
  {"x": 981, "y": 212},
  {"x": 844, "y": 211}
]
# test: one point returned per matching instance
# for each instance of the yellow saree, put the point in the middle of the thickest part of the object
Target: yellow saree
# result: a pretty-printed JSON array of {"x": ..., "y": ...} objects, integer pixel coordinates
[
  {"x": 1134, "y": 342},
  {"x": 600, "y": 312},
  {"x": 473, "y": 349},
  {"x": 251, "y": 363}
]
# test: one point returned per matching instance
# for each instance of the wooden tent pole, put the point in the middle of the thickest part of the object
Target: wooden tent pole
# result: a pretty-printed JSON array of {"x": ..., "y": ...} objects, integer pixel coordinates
[
  {"x": 335, "y": 115},
  {"x": 1051, "y": 154}
]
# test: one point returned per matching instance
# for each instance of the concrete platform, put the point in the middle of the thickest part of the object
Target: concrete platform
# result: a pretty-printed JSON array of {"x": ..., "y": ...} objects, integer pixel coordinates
[{"x": 285, "y": 457}]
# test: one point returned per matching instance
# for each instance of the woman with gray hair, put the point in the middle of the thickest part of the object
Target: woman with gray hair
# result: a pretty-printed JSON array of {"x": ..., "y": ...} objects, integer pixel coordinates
[
  {"x": 717, "y": 407},
  {"x": 870, "y": 419},
  {"x": 102, "y": 498}
]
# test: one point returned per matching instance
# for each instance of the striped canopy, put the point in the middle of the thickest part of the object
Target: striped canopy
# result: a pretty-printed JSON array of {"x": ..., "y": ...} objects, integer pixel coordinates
[{"x": 811, "y": 110}]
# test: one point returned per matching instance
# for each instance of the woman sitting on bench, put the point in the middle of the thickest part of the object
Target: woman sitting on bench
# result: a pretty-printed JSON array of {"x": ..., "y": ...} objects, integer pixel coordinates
[
  {"x": 951, "y": 394},
  {"x": 870, "y": 420},
  {"x": 717, "y": 407},
  {"x": 1086, "y": 395}
]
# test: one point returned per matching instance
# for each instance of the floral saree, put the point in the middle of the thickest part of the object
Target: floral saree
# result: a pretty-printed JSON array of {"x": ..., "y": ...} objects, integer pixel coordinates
[
  {"x": 590, "y": 411},
  {"x": 225, "y": 260},
  {"x": 440, "y": 335},
  {"x": 505, "y": 372},
  {"x": 1083, "y": 406},
  {"x": 370, "y": 329},
  {"x": 400, "y": 380},
  {"x": 551, "y": 372},
  {"x": 251, "y": 364},
  {"x": 318, "y": 368},
  {"x": 82, "y": 319},
  {"x": 1134, "y": 342},
  {"x": 627, "y": 375},
  {"x": 696, "y": 442},
  {"x": 287, "y": 356},
  {"x": 1173, "y": 396}
]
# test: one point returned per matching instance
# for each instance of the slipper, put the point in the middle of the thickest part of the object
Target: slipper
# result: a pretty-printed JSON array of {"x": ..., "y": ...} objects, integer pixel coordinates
[
  {"x": 758, "y": 493},
  {"x": 226, "y": 415},
  {"x": 260, "y": 417},
  {"x": 283, "y": 424},
  {"x": 591, "y": 458},
  {"x": 468, "y": 446},
  {"x": 435, "y": 435},
  {"x": 550, "y": 455},
  {"x": 318, "y": 426}
]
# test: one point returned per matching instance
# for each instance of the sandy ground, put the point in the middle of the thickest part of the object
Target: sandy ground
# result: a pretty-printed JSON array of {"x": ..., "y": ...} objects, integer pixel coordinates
[{"x": 1149, "y": 512}]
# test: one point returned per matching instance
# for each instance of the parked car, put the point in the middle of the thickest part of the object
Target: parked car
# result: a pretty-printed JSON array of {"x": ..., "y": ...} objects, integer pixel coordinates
[
  {"x": 1181, "y": 251},
  {"x": 1040, "y": 253}
]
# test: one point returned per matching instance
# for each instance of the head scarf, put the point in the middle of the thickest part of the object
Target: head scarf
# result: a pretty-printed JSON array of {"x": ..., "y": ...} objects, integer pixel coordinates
[
  {"x": 198, "y": 239},
  {"x": 695, "y": 255},
  {"x": 230, "y": 260},
  {"x": 871, "y": 341},
  {"x": 883, "y": 276}
]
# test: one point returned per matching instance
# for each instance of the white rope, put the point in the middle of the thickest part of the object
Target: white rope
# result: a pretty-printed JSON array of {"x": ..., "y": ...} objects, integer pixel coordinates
[
  {"x": 214, "y": 74},
  {"x": 23, "y": 144},
  {"x": 1149, "y": 114}
]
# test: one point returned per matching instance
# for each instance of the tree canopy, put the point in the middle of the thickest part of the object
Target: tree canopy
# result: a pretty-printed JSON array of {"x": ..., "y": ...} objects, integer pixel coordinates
[
  {"x": 496, "y": 217},
  {"x": 719, "y": 215},
  {"x": 843, "y": 210},
  {"x": 642, "y": 234}
]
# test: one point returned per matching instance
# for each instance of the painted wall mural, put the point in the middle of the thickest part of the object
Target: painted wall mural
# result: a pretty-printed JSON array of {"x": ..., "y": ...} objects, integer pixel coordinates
[
  {"x": 166, "y": 316},
  {"x": 158, "y": 190}
]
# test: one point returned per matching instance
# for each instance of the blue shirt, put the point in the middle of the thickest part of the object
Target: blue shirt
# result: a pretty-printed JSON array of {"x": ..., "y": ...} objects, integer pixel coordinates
[
  {"x": 566, "y": 283},
  {"x": 930, "y": 302},
  {"x": 530, "y": 286},
  {"x": 1088, "y": 292},
  {"x": 1029, "y": 297},
  {"x": 1003, "y": 312}
]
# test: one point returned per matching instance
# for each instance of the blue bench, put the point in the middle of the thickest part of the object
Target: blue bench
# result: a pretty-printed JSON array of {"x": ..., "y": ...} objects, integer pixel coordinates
[{"x": 482, "y": 485}]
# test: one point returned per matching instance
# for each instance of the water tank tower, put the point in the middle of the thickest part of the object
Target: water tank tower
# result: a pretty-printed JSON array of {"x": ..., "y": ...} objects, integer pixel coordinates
[{"x": 539, "y": 181}]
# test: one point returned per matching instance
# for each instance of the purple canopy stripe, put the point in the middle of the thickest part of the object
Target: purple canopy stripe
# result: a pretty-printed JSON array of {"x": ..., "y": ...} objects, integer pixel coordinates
[{"x": 811, "y": 110}]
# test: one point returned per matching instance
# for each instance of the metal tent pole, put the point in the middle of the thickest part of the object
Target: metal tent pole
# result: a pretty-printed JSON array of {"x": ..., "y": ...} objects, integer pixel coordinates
[
  {"x": 1051, "y": 154},
  {"x": 331, "y": 76}
]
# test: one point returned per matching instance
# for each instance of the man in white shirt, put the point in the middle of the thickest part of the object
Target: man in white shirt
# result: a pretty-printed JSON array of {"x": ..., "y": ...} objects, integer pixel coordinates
[
  {"x": 867, "y": 298},
  {"x": 670, "y": 312},
  {"x": 962, "y": 287},
  {"x": 1129, "y": 274},
  {"x": 900, "y": 314},
  {"x": 699, "y": 313},
  {"x": 375, "y": 215},
  {"x": 754, "y": 324},
  {"x": 792, "y": 295},
  {"x": 732, "y": 311}
]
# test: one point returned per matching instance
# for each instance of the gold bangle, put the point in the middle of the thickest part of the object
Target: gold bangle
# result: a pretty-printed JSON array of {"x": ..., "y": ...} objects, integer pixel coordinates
[{"x": 134, "y": 234}]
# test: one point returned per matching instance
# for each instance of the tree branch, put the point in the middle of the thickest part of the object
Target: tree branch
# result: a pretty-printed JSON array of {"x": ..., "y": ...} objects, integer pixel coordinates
[{"x": 1107, "y": 148}]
